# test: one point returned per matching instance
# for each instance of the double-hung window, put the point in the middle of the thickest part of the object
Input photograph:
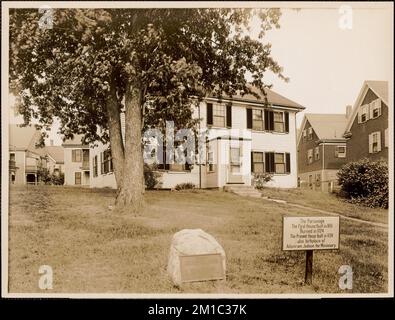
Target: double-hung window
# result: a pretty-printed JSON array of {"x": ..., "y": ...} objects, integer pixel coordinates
[
  {"x": 279, "y": 162},
  {"x": 219, "y": 115},
  {"x": 257, "y": 119},
  {"x": 340, "y": 152},
  {"x": 375, "y": 142},
  {"x": 279, "y": 123},
  {"x": 258, "y": 163},
  {"x": 310, "y": 133},
  {"x": 310, "y": 156}
]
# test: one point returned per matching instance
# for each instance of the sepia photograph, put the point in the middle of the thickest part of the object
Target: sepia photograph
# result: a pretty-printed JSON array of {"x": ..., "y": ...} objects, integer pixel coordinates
[{"x": 197, "y": 150}]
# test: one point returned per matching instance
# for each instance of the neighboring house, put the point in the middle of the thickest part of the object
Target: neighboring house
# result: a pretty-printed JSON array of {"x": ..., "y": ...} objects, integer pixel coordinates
[
  {"x": 25, "y": 160},
  {"x": 367, "y": 129},
  {"x": 322, "y": 149},
  {"x": 55, "y": 159},
  {"x": 244, "y": 136},
  {"x": 76, "y": 162}
]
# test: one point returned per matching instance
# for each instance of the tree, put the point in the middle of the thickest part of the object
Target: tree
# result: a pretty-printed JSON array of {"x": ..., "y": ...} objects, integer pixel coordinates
[{"x": 149, "y": 63}]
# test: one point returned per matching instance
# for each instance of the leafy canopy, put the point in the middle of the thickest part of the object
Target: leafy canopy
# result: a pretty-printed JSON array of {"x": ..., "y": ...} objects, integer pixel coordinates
[{"x": 169, "y": 55}]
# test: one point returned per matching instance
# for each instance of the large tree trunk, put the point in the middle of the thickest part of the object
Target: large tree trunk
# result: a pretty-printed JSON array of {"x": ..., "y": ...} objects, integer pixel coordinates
[
  {"x": 115, "y": 129},
  {"x": 131, "y": 188}
]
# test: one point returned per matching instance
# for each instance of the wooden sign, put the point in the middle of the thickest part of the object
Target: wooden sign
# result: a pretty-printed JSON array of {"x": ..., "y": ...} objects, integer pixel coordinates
[
  {"x": 311, "y": 233},
  {"x": 201, "y": 267}
]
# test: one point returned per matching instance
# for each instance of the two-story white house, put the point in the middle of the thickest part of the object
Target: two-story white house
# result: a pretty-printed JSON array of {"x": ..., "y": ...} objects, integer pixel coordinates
[
  {"x": 76, "y": 162},
  {"x": 243, "y": 136}
]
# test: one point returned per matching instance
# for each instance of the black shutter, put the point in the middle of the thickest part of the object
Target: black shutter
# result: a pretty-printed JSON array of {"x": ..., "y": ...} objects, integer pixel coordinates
[
  {"x": 249, "y": 118},
  {"x": 271, "y": 120},
  {"x": 286, "y": 115},
  {"x": 266, "y": 119},
  {"x": 229, "y": 116},
  {"x": 267, "y": 162},
  {"x": 209, "y": 113},
  {"x": 252, "y": 161},
  {"x": 272, "y": 165},
  {"x": 287, "y": 163}
]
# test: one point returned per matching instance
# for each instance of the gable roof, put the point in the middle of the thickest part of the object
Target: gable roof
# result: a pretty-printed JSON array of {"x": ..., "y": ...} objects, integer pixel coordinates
[
  {"x": 380, "y": 89},
  {"x": 75, "y": 141},
  {"x": 326, "y": 126},
  {"x": 24, "y": 138},
  {"x": 273, "y": 98},
  {"x": 56, "y": 153}
]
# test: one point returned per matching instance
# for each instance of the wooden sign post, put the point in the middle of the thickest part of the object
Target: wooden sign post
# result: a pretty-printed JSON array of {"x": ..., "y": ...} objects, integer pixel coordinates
[{"x": 309, "y": 234}]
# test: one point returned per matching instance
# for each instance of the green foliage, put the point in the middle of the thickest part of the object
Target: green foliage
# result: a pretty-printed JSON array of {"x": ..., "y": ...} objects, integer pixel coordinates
[
  {"x": 260, "y": 179},
  {"x": 365, "y": 182},
  {"x": 46, "y": 177},
  {"x": 91, "y": 56},
  {"x": 43, "y": 175},
  {"x": 150, "y": 176},
  {"x": 57, "y": 179},
  {"x": 185, "y": 186}
]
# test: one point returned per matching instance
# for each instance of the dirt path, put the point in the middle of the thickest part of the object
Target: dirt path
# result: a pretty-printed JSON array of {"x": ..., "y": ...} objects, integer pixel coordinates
[{"x": 375, "y": 224}]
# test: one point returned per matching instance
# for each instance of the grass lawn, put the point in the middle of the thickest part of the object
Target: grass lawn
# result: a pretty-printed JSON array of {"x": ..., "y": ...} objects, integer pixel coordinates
[
  {"x": 327, "y": 201},
  {"x": 95, "y": 250}
]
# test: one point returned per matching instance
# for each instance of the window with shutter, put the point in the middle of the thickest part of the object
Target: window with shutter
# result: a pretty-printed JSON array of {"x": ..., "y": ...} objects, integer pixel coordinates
[
  {"x": 258, "y": 164},
  {"x": 375, "y": 142},
  {"x": 310, "y": 133},
  {"x": 257, "y": 119},
  {"x": 219, "y": 115},
  {"x": 317, "y": 153},
  {"x": 279, "y": 163},
  {"x": 375, "y": 109},
  {"x": 364, "y": 114},
  {"x": 279, "y": 122},
  {"x": 310, "y": 156}
]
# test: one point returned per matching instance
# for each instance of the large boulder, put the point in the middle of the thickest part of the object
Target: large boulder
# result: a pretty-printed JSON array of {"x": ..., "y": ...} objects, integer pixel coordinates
[{"x": 189, "y": 242}]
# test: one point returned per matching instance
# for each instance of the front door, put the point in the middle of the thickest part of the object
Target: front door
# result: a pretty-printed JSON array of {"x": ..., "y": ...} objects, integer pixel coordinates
[{"x": 234, "y": 167}]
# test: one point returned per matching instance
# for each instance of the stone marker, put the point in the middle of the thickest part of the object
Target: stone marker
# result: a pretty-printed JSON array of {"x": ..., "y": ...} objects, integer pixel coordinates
[{"x": 195, "y": 256}]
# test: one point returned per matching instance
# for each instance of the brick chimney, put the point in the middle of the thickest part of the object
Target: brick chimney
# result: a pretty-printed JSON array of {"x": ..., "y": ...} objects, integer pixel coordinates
[{"x": 348, "y": 111}]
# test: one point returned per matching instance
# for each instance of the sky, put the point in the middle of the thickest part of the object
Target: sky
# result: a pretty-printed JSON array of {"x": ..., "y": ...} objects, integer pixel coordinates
[{"x": 327, "y": 64}]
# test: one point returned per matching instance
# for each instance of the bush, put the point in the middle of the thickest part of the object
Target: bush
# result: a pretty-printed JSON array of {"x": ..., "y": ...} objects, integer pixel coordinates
[
  {"x": 57, "y": 179},
  {"x": 365, "y": 182},
  {"x": 260, "y": 179},
  {"x": 150, "y": 176},
  {"x": 185, "y": 186}
]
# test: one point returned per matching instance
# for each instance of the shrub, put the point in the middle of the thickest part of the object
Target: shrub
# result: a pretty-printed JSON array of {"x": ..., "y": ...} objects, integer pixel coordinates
[
  {"x": 365, "y": 182},
  {"x": 260, "y": 179},
  {"x": 57, "y": 179},
  {"x": 150, "y": 176},
  {"x": 43, "y": 175},
  {"x": 185, "y": 186}
]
